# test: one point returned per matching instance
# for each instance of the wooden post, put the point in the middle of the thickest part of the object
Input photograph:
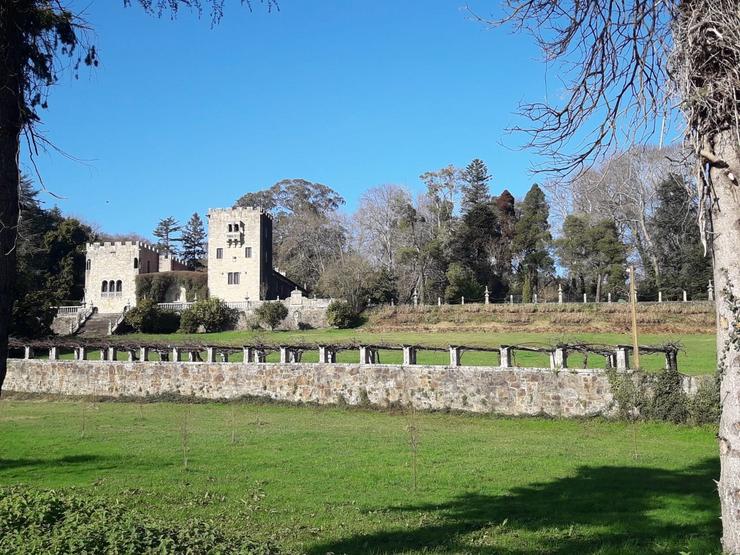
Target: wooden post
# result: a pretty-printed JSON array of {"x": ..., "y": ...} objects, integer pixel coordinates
[{"x": 633, "y": 306}]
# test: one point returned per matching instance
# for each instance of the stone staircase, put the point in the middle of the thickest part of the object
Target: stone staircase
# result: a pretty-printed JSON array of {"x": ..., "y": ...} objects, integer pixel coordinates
[{"x": 98, "y": 325}]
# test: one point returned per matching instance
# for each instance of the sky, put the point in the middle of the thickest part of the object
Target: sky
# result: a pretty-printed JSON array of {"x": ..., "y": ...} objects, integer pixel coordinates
[{"x": 181, "y": 116}]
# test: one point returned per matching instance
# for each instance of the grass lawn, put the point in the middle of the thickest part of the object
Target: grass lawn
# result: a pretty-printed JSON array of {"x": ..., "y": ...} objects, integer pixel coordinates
[
  {"x": 321, "y": 480},
  {"x": 698, "y": 356}
]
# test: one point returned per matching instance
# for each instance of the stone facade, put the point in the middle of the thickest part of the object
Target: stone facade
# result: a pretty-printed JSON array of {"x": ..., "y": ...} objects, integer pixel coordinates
[
  {"x": 303, "y": 313},
  {"x": 111, "y": 269},
  {"x": 239, "y": 264},
  {"x": 510, "y": 391}
]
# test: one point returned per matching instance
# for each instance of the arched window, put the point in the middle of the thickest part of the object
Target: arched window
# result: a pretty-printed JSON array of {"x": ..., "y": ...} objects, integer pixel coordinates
[
  {"x": 230, "y": 228},
  {"x": 111, "y": 286},
  {"x": 88, "y": 264},
  {"x": 104, "y": 288},
  {"x": 119, "y": 286},
  {"x": 136, "y": 263}
]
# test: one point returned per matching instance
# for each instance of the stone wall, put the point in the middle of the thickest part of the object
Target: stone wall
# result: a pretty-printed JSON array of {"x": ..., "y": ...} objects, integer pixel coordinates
[{"x": 510, "y": 391}]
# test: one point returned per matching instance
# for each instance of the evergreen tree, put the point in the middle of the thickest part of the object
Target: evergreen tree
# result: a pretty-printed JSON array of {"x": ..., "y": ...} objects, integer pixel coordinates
[
  {"x": 532, "y": 241},
  {"x": 194, "y": 242},
  {"x": 474, "y": 242},
  {"x": 678, "y": 245},
  {"x": 475, "y": 180},
  {"x": 593, "y": 254},
  {"x": 165, "y": 230},
  {"x": 505, "y": 208}
]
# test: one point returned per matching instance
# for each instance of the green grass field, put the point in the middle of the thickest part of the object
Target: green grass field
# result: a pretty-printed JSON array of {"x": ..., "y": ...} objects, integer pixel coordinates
[
  {"x": 698, "y": 356},
  {"x": 321, "y": 480}
]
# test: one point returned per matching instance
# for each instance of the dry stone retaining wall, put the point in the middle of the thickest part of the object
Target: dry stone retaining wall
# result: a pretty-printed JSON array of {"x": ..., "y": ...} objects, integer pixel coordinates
[{"x": 510, "y": 391}]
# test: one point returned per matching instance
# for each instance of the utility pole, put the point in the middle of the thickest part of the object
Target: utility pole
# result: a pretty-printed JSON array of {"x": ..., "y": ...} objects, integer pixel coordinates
[{"x": 633, "y": 306}]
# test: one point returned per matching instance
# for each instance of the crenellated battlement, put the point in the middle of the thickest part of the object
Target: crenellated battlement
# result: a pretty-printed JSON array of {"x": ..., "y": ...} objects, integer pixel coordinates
[
  {"x": 108, "y": 244},
  {"x": 232, "y": 211}
]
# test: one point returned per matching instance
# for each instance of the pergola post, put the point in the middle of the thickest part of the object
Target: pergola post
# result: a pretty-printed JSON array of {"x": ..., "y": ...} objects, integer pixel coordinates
[
  {"x": 622, "y": 358},
  {"x": 558, "y": 358},
  {"x": 248, "y": 353},
  {"x": 211, "y": 354},
  {"x": 455, "y": 355},
  {"x": 27, "y": 352},
  {"x": 409, "y": 355},
  {"x": 505, "y": 357},
  {"x": 143, "y": 354},
  {"x": 175, "y": 354},
  {"x": 53, "y": 353}
]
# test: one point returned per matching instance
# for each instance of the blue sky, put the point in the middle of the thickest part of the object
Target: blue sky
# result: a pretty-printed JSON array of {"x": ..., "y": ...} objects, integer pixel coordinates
[{"x": 180, "y": 116}]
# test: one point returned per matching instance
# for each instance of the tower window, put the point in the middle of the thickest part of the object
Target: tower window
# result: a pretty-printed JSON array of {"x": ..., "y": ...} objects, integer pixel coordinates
[
  {"x": 136, "y": 263},
  {"x": 219, "y": 253},
  {"x": 230, "y": 228},
  {"x": 248, "y": 252},
  {"x": 233, "y": 278},
  {"x": 119, "y": 286},
  {"x": 104, "y": 287}
]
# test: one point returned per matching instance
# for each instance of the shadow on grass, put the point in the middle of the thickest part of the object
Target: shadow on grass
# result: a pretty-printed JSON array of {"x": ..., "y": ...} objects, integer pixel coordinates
[
  {"x": 603, "y": 510},
  {"x": 8, "y": 464}
]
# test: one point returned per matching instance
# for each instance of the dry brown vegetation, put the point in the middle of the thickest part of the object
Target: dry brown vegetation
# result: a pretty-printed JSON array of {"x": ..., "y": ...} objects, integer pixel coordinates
[{"x": 694, "y": 317}]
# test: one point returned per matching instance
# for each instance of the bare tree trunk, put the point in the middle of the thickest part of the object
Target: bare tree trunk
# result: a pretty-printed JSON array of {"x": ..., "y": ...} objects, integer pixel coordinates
[
  {"x": 726, "y": 224},
  {"x": 10, "y": 129}
]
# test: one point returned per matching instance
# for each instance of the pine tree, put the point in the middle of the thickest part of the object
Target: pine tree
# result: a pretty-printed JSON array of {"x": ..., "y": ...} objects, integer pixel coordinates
[
  {"x": 532, "y": 239},
  {"x": 475, "y": 179},
  {"x": 194, "y": 242},
  {"x": 164, "y": 231}
]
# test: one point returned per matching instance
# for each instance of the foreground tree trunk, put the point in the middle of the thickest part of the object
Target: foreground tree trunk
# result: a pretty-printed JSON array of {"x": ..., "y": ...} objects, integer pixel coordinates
[
  {"x": 10, "y": 129},
  {"x": 726, "y": 222}
]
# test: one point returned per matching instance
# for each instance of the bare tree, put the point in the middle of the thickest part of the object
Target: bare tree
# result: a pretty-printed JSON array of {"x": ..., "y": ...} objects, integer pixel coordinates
[
  {"x": 625, "y": 64},
  {"x": 378, "y": 219}
]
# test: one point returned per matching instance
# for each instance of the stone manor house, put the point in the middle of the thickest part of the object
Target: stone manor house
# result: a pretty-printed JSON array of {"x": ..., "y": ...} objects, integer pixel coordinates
[{"x": 239, "y": 264}]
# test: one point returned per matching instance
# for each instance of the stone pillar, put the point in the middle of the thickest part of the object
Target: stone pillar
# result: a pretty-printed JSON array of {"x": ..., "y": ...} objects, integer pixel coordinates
[
  {"x": 143, "y": 354},
  {"x": 685, "y": 298},
  {"x": 110, "y": 328},
  {"x": 103, "y": 354},
  {"x": 622, "y": 358},
  {"x": 260, "y": 356},
  {"x": 248, "y": 354},
  {"x": 585, "y": 298},
  {"x": 27, "y": 352},
  {"x": 416, "y": 298},
  {"x": 462, "y": 300},
  {"x": 486, "y": 296},
  {"x": 671, "y": 360},
  {"x": 511, "y": 299},
  {"x": 365, "y": 355},
  {"x": 224, "y": 356},
  {"x": 53, "y": 353},
  {"x": 409, "y": 355},
  {"x": 210, "y": 354},
  {"x": 535, "y": 298},
  {"x": 558, "y": 358},
  {"x": 505, "y": 357},
  {"x": 175, "y": 354},
  {"x": 112, "y": 354},
  {"x": 283, "y": 355},
  {"x": 609, "y": 297},
  {"x": 191, "y": 356},
  {"x": 660, "y": 296},
  {"x": 326, "y": 354},
  {"x": 560, "y": 294},
  {"x": 81, "y": 353},
  {"x": 710, "y": 291},
  {"x": 130, "y": 357},
  {"x": 455, "y": 355},
  {"x": 439, "y": 301}
]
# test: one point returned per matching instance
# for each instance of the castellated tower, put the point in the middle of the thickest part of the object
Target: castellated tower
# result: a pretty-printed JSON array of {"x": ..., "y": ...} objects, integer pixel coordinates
[
  {"x": 240, "y": 254},
  {"x": 111, "y": 269}
]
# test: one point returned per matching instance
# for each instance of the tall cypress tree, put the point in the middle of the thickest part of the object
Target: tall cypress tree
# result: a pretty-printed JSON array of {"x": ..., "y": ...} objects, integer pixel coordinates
[
  {"x": 194, "y": 242},
  {"x": 165, "y": 230},
  {"x": 532, "y": 241},
  {"x": 475, "y": 179}
]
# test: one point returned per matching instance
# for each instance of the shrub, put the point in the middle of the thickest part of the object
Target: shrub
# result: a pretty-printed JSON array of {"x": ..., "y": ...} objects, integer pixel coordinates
[
  {"x": 147, "y": 317},
  {"x": 669, "y": 402},
  {"x": 704, "y": 406},
  {"x": 39, "y": 522},
  {"x": 341, "y": 315},
  {"x": 271, "y": 314},
  {"x": 212, "y": 314}
]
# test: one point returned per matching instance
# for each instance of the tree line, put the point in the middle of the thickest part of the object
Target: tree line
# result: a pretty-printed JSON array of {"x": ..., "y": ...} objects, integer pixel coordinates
[{"x": 458, "y": 237}]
